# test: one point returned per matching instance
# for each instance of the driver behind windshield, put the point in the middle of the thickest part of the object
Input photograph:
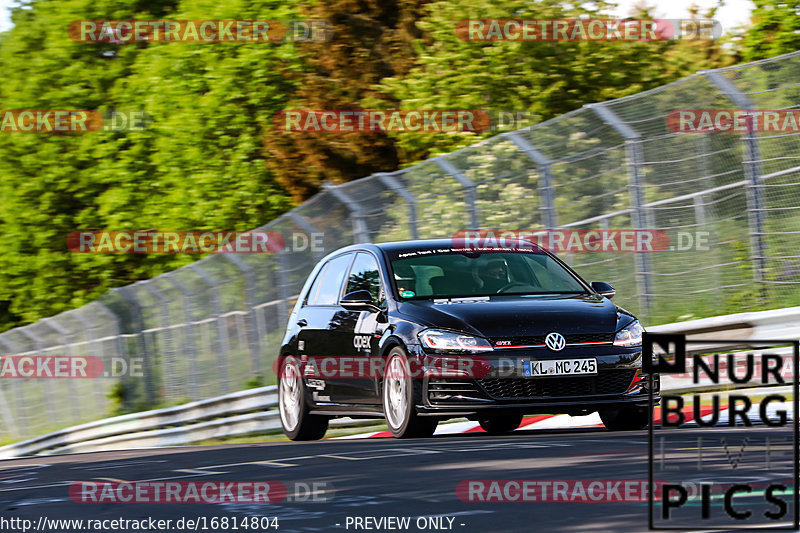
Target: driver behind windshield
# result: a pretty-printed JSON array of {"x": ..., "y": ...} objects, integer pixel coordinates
[{"x": 495, "y": 275}]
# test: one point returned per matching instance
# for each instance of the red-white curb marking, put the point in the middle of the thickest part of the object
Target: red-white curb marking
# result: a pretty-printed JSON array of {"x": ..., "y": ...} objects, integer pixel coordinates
[{"x": 535, "y": 422}]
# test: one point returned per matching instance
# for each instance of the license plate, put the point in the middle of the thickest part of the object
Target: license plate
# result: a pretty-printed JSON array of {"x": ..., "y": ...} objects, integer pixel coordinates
[{"x": 559, "y": 367}]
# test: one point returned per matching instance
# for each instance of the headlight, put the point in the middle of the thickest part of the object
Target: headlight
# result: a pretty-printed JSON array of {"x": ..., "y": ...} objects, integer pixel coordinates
[
  {"x": 445, "y": 341},
  {"x": 630, "y": 335}
]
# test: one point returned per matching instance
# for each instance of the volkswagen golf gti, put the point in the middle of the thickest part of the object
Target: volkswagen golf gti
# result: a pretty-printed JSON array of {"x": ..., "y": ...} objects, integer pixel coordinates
[{"x": 421, "y": 331}]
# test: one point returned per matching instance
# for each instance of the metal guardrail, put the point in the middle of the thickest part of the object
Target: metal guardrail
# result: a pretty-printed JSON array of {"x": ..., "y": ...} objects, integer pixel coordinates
[
  {"x": 191, "y": 422},
  {"x": 254, "y": 411}
]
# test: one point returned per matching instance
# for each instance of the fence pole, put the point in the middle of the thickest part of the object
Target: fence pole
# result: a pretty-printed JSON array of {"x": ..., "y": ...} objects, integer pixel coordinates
[
  {"x": 122, "y": 350},
  {"x": 634, "y": 159},
  {"x": 545, "y": 177},
  {"x": 138, "y": 329},
  {"x": 5, "y": 408},
  {"x": 222, "y": 334},
  {"x": 253, "y": 333},
  {"x": 752, "y": 172},
  {"x": 170, "y": 377},
  {"x": 191, "y": 346},
  {"x": 360, "y": 232},
  {"x": 469, "y": 188},
  {"x": 283, "y": 288},
  {"x": 39, "y": 346},
  {"x": 391, "y": 182},
  {"x": 75, "y": 404},
  {"x": 99, "y": 396},
  {"x": 309, "y": 228}
]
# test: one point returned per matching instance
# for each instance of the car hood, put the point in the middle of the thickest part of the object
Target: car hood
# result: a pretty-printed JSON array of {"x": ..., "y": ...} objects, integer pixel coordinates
[{"x": 517, "y": 316}]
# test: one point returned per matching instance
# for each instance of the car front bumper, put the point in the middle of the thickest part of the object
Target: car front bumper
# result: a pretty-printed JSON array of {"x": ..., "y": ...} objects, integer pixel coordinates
[{"x": 499, "y": 383}]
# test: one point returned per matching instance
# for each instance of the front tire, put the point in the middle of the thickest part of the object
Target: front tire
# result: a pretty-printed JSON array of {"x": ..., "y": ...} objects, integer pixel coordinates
[
  {"x": 625, "y": 418},
  {"x": 398, "y": 395},
  {"x": 499, "y": 424},
  {"x": 297, "y": 423}
]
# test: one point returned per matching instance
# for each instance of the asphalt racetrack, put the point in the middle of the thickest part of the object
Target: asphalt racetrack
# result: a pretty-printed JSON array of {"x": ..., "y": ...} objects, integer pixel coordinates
[{"x": 375, "y": 478}]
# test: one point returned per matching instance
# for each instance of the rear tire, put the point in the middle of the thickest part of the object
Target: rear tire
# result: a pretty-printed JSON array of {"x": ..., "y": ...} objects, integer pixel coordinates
[
  {"x": 297, "y": 423},
  {"x": 625, "y": 418},
  {"x": 499, "y": 424},
  {"x": 399, "y": 393}
]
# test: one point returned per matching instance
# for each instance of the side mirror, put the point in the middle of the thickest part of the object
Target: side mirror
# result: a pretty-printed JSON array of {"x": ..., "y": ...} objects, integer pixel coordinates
[
  {"x": 359, "y": 301},
  {"x": 603, "y": 289}
]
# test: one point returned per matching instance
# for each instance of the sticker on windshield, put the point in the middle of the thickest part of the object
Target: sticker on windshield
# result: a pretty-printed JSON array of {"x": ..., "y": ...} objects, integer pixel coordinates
[
  {"x": 407, "y": 294},
  {"x": 463, "y": 300}
]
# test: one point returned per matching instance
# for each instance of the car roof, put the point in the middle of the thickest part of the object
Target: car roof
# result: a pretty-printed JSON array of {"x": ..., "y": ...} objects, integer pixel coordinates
[{"x": 419, "y": 244}]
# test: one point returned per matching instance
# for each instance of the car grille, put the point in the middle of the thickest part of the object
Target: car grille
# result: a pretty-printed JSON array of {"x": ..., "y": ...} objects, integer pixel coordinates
[
  {"x": 606, "y": 382},
  {"x": 571, "y": 339},
  {"x": 442, "y": 390},
  {"x": 590, "y": 337}
]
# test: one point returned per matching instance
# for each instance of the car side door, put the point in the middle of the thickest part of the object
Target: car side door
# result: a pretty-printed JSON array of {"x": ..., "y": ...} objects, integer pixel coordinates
[
  {"x": 319, "y": 322},
  {"x": 361, "y": 331}
]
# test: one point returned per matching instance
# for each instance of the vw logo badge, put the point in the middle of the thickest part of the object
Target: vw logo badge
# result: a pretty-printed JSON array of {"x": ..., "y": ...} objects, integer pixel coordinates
[{"x": 555, "y": 341}]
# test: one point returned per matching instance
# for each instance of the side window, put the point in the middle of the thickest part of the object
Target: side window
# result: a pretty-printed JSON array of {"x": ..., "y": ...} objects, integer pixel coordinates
[
  {"x": 311, "y": 297},
  {"x": 325, "y": 290},
  {"x": 365, "y": 276}
]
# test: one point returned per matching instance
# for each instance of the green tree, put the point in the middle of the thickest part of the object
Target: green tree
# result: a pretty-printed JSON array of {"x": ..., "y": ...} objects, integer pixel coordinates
[
  {"x": 545, "y": 79},
  {"x": 774, "y": 29},
  {"x": 199, "y": 165}
]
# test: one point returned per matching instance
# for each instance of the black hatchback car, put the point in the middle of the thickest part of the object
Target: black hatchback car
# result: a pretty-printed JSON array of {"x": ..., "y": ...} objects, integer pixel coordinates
[{"x": 420, "y": 331}]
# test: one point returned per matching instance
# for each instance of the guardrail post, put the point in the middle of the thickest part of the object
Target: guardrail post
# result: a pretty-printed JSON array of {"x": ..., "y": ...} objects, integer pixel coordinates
[
  {"x": 391, "y": 182},
  {"x": 639, "y": 218},
  {"x": 469, "y": 188},
  {"x": 191, "y": 347},
  {"x": 360, "y": 232},
  {"x": 545, "y": 177},
  {"x": 253, "y": 332},
  {"x": 141, "y": 342},
  {"x": 222, "y": 334},
  {"x": 752, "y": 172}
]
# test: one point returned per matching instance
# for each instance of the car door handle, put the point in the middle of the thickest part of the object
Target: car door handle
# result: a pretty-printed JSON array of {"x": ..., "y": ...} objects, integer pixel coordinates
[{"x": 302, "y": 322}]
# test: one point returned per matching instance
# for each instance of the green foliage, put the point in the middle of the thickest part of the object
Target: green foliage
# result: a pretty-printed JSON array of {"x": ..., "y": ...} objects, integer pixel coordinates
[
  {"x": 199, "y": 165},
  {"x": 774, "y": 29},
  {"x": 254, "y": 382},
  {"x": 546, "y": 79}
]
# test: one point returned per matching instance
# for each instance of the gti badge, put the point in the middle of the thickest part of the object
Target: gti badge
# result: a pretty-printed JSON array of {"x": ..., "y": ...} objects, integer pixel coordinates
[{"x": 555, "y": 341}]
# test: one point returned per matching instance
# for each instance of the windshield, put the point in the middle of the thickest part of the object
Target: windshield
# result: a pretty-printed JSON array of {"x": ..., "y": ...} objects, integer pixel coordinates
[{"x": 435, "y": 273}]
